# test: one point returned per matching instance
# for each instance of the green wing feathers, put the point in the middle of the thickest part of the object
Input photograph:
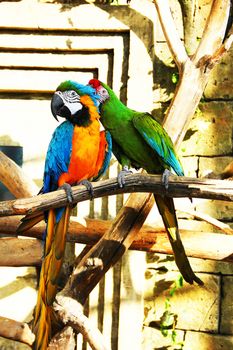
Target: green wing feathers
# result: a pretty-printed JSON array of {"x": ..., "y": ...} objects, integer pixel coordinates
[
  {"x": 167, "y": 211},
  {"x": 50, "y": 271},
  {"x": 158, "y": 139}
]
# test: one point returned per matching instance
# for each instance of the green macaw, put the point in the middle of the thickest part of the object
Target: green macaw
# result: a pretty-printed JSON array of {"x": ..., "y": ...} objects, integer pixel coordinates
[{"x": 139, "y": 141}]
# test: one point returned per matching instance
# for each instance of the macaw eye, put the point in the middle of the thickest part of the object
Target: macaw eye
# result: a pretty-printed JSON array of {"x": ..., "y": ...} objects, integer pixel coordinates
[
  {"x": 103, "y": 92},
  {"x": 71, "y": 96},
  {"x": 72, "y": 93}
]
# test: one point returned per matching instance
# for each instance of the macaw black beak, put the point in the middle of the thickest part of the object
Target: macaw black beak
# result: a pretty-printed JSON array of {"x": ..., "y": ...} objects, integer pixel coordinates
[
  {"x": 56, "y": 104},
  {"x": 58, "y": 107}
]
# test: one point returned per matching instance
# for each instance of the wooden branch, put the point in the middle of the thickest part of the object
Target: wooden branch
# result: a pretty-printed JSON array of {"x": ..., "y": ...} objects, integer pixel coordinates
[
  {"x": 20, "y": 252},
  {"x": 178, "y": 187},
  {"x": 221, "y": 51},
  {"x": 189, "y": 14},
  {"x": 214, "y": 31},
  {"x": 17, "y": 331},
  {"x": 98, "y": 260},
  {"x": 108, "y": 250},
  {"x": 205, "y": 217},
  {"x": 70, "y": 313},
  {"x": 64, "y": 340},
  {"x": 13, "y": 177},
  {"x": 170, "y": 32},
  {"x": 149, "y": 239}
]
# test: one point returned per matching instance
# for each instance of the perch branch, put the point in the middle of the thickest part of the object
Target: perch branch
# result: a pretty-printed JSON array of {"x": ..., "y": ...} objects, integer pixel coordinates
[
  {"x": 13, "y": 177},
  {"x": 170, "y": 32},
  {"x": 71, "y": 314},
  {"x": 178, "y": 187},
  {"x": 197, "y": 244},
  {"x": 14, "y": 330}
]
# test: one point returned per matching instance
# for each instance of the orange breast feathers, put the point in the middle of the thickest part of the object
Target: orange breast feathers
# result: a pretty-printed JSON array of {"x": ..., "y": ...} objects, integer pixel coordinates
[
  {"x": 88, "y": 151},
  {"x": 85, "y": 152}
]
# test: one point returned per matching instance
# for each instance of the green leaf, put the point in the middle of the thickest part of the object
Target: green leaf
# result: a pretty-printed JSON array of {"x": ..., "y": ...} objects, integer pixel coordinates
[
  {"x": 167, "y": 304},
  {"x": 175, "y": 78}
]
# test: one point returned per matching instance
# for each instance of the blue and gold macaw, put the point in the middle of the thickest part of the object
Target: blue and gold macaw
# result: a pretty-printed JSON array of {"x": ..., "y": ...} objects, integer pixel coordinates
[{"x": 78, "y": 152}]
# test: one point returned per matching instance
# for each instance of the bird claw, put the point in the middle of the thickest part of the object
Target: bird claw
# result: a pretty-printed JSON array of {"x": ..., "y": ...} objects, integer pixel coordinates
[
  {"x": 88, "y": 186},
  {"x": 165, "y": 178},
  {"x": 121, "y": 176},
  {"x": 69, "y": 193}
]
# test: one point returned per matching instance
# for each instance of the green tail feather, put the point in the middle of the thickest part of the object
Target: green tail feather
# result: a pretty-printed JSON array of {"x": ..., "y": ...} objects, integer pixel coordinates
[{"x": 167, "y": 211}]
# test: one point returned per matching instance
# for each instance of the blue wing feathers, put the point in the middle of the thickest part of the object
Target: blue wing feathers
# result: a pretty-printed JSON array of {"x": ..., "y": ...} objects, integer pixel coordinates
[
  {"x": 58, "y": 159},
  {"x": 58, "y": 156},
  {"x": 108, "y": 155}
]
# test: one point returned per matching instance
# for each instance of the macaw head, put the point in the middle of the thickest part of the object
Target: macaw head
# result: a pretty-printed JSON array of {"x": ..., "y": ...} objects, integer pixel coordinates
[
  {"x": 73, "y": 101},
  {"x": 101, "y": 89}
]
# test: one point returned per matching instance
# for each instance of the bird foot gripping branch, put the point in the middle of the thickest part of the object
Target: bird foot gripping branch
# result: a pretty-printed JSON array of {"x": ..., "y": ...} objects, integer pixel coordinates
[
  {"x": 69, "y": 193},
  {"x": 165, "y": 178},
  {"x": 88, "y": 186},
  {"x": 122, "y": 174}
]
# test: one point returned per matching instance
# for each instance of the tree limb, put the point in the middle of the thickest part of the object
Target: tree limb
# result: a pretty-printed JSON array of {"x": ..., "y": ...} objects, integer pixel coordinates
[
  {"x": 108, "y": 249},
  {"x": 189, "y": 14},
  {"x": 71, "y": 314},
  {"x": 20, "y": 252},
  {"x": 220, "y": 52},
  {"x": 64, "y": 340},
  {"x": 205, "y": 217},
  {"x": 13, "y": 177},
  {"x": 214, "y": 30},
  {"x": 178, "y": 187},
  {"x": 149, "y": 239},
  {"x": 170, "y": 32},
  {"x": 15, "y": 330}
]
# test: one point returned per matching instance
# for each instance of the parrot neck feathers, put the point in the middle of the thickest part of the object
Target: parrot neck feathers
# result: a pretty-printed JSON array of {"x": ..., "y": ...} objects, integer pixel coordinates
[{"x": 87, "y": 114}]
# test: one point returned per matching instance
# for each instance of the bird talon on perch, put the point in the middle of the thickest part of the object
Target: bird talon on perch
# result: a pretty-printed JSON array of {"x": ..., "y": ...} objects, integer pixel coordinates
[
  {"x": 69, "y": 193},
  {"x": 121, "y": 176},
  {"x": 88, "y": 186},
  {"x": 165, "y": 178}
]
